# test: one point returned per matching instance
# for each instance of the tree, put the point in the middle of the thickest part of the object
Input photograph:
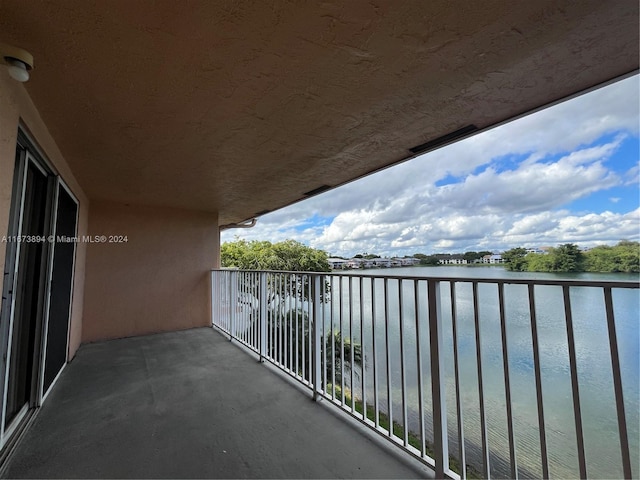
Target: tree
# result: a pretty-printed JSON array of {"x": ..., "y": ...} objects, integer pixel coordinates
[
  {"x": 515, "y": 260},
  {"x": 289, "y": 255},
  {"x": 539, "y": 262},
  {"x": 624, "y": 257},
  {"x": 430, "y": 260},
  {"x": 567, "y": 258},
  {"x": 472, "y": 256}
]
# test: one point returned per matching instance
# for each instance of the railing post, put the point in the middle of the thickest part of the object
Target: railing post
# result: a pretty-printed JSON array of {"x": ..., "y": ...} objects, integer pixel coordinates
[
  {"x": 233, "y": 303},
  {"x": 318, "y": 282},
  {"x": 440, "y": 434},
  {"x": 262, "y": 314},
  {"x": 214, "y": 300}
]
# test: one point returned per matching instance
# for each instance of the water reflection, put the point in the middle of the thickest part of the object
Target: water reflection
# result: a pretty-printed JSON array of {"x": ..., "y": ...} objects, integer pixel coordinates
[{"x": 592, "y": 352}]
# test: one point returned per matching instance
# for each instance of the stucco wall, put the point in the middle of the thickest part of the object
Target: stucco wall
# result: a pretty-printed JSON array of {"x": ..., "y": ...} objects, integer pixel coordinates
[
  {"x": 158, "y": 280},
  {"x": 16, "y": 106}
]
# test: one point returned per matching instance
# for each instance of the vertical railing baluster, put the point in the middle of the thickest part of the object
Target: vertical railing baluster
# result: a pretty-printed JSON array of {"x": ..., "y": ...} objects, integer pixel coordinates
[
  {"x": 403, "y": 375},
  {"x": 374, "y": 351},
  {"x": 486, "y": 466},
  {"x": 274, "y": 312},
  {"x": 438, "y": 390},
  {"x": 351, "y": 369},
  {"x": 316, "y": 352},
  {"x": 538, "y": 376},
  {"x": 262, "y": 318},
  {"x": 513, "y": 463},
  {"x": 388, "y": 353},
  {"x": 277, "y": 324},
  {"x": 256, "y": 330},
  {"x": 575, "y": 389},
  {"x": 617, "y": 384},
  {"x": 244, "y": 311},
  {"x": 362, "y": 352},
  {"x": 248, "y": 311},
  {"x": 323, "y": 344},
  {"x": 423, "y": 432},
  {"x": 456, "y": 368},
  {"x": 333, "y": 337},
  {"x": 341, "y": 353},
  {"x": 303, "y": 331},
  {"x": 214, "y": 312},
  {"x": 233, "y": 304}
]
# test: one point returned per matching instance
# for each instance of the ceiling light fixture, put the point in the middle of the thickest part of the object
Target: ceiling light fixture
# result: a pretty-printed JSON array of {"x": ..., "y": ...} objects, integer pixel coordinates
[{"x": 18, "y": 62}]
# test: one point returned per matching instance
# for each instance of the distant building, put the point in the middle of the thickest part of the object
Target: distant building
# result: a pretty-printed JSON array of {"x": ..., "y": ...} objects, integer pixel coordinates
[
  {"x": 354, "y": 263},
  {"x": 404, "y": 261},
  {"x": 492, "y": 259},
  {"x": 539, "y": 250},
  {"x": 455, "y": 259},
  {"x": 338, "y": 263},
  {"x": 396, "y": 262},
  {"x": 377, "y": 262}
]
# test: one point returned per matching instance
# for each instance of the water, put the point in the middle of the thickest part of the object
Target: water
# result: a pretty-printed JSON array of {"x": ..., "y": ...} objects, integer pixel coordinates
[{"x": 593, "y": 363}]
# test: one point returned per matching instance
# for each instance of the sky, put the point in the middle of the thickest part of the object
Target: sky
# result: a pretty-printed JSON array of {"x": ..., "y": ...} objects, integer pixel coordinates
[{"x": 566, "y": 174}]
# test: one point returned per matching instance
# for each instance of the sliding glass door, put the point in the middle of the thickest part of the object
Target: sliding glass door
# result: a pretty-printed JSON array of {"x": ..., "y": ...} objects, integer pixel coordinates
[
  {"x": 29, "y": 285},
  {"x": 37, "y": 288}
]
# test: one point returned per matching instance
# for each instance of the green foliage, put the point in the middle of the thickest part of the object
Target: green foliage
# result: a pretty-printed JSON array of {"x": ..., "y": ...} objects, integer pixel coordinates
[
  {"x": 288, "y": 255},
  {"x": 567, "y": 258},
  {"x": 624, "y": 257},
  {"x": 341, "y": 349},
  {"x": 539, "y": 262},
  {"x": 472, "y": 256},
  {"x": 515, "y": 260},
  {"x": 429, "y": 260}
]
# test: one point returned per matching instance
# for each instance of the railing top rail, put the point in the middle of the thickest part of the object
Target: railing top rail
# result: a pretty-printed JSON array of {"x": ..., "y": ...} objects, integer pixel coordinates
[{"x": 504, "y": 281}]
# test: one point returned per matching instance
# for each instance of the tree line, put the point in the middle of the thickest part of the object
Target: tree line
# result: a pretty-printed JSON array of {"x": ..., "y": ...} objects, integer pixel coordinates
[{"x": 623, "y": 257}]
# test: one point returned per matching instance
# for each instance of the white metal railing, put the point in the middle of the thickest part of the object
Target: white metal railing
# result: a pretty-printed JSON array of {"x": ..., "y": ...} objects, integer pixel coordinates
[{"x": 431, "y": 379}]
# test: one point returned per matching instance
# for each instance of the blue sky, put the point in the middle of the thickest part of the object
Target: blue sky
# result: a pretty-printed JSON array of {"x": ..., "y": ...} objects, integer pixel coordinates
[{"x": 569, "y": 173}]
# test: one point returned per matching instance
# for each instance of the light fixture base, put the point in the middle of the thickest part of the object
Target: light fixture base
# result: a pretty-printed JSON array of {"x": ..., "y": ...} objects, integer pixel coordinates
[{"x": 17, "y": 60}]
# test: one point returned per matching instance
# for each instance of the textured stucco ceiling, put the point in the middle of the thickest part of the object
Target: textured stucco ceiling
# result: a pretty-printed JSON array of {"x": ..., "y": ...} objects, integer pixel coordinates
[{"x": 241, "y": 106}]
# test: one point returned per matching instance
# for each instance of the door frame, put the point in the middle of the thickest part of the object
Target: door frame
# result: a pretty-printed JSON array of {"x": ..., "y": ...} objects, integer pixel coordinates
[{"x": 58, "y": 184}]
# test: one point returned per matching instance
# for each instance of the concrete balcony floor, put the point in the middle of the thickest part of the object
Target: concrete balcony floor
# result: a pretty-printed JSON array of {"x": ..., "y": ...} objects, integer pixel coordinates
[{"x": 191, "y": 404}]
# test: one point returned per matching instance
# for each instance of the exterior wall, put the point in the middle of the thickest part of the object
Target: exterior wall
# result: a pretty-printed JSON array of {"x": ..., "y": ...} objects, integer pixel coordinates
[
  {"x": 158, "y": 280},
  {"x": 16, "y": 107}
]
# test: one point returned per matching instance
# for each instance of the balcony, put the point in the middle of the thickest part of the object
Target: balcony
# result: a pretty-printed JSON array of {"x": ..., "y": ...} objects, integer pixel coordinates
[
  {"x": 510, "y": 377},
  {"x": 191, "y": 404}
]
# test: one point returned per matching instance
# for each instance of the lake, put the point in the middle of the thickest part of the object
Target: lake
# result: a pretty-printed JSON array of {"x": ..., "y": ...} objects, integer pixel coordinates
[{"x": 593, "y": 363}]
